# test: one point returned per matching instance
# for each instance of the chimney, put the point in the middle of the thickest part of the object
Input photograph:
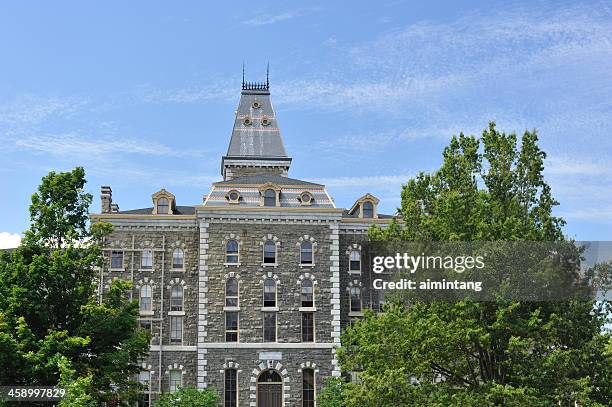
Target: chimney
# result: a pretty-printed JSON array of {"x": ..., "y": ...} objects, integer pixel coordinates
[
  {"x": 106, "y": 198},
  {"x": 114, "y": 208}
]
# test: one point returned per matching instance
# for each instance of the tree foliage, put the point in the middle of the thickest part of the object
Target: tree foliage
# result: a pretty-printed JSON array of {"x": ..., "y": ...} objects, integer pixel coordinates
[
  {"x": 189, "y": 397},
  {"x": 50, "y": 319},
  {"x": 489, "y": 353}
]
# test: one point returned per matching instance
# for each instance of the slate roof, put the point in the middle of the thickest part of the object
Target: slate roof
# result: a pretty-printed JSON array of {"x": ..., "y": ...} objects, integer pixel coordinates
[
  {"x": 256, "y": 139},
  {"x": 180, "y": 210},
  {"x": 264, "y": 178}
]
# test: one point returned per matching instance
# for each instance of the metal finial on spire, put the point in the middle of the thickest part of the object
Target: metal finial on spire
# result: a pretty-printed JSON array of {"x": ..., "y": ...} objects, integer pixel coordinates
[
  {"x": 268, "y": 76},
  {"x": 242, "y": 74}
]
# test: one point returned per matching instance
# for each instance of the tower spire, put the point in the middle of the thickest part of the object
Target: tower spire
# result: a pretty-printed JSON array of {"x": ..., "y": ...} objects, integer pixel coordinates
[
  {"x": 242, "y": 74},
  {"x": 268, "y": 76}
]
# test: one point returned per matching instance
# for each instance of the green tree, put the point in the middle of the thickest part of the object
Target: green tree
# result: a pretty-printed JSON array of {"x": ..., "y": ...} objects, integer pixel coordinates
[
  {"x": 332, "y": 394},
  {"x": 189, "y": 397},
  {"x": 484, "y": 353},
  {"x": 49, "y": 315}
]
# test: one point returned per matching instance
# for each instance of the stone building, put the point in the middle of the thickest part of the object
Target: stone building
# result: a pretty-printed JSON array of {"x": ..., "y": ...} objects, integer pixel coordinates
[{"x": 248, "y": 291}]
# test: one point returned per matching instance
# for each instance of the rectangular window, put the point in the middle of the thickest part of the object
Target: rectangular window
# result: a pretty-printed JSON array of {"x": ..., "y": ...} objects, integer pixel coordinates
[
  {"x": 176, "y": 329},
  {"x": 116, "y": 259},
  {"x": 231, "y": 388},
  {"x": 144, "y": 378},
  {"x": 269, "y": 326},
  {"x": 308, "y": 388},
  {"x": 307, "y": 327},
  {"x": 269, "y": 252},
  {"x": 146, "y": 260},
  {"x": 176, "y": 380},
  {"x": 231, "y": 326}
]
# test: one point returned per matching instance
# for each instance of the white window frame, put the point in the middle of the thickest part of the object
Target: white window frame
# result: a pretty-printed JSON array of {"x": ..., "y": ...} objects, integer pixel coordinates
[
  {"x": 182, "y": 291},
  {"x": 174, "y": 341},
  {"x": 237, "y": 262},
  {"x": 142, "y": 260},
  {"x": 122, "y": 268},
  {"x": 173, "y": 388},
  {"x": 312, "y": 246},
  {"x": 182, "y": 257},
  {"x": 263, "y": 337},
  {"x": 354, "y": 250},
  {"x": 149, "y": 310}
]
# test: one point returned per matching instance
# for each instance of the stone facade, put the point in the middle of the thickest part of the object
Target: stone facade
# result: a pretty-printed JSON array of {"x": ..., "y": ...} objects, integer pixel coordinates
[{"x": 200, "y": 355}]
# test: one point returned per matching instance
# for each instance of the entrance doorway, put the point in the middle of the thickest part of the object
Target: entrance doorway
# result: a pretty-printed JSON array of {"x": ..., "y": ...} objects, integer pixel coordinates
[{"x": 269, "y": 389}]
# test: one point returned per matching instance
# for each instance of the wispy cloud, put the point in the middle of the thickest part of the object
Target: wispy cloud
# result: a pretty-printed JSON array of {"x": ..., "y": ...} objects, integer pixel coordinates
[
  {"x": 74, "y": 145},
  {"x": 9, "y": 240},
  {"x": 30, "y": 110},
  {"x": 270, "y": 18}
]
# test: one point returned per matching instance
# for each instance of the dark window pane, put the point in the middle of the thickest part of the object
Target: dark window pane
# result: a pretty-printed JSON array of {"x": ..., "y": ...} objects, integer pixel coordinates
[
  {"x": 308, "y": 389},
  {"x": 355, "y": 299},
  {"x": 269, "y": 299},
  {"x": 162, "y": 206},
  {"x": 368, "y": 210},
  {"x": 176, "y": 298},
  {"x": 231, "y": 252},
  {"x": 270, "y": 252},
  {"x": 270, "y": 197},
  {"x": 269, "y": 321},
  {"x": 355, "y": 261},
  {"x": 231, "y": 326},
  {"x": 307, "y": 294},
  {"x": 307, "y": 327},
  {"x": 177, "y": 259},
  {"x": 176, "y": 329},
  {"x": 306, "y": 253},
  {"x": 231, "y": 388},
  {"x": 116, "y": 260}
]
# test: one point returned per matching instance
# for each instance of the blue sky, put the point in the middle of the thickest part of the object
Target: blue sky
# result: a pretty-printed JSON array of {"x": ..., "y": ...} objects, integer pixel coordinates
[{"x": 142, "y": 94}]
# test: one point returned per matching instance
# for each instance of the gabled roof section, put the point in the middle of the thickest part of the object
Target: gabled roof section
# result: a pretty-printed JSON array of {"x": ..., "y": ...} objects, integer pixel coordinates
[{"x": 256, "y": 133}]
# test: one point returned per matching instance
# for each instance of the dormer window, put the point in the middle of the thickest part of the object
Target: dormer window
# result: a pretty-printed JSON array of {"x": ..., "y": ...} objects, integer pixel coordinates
[
  {"x": 233, "y": 196},
  {"x": 368, "y": 209},
  {"x": 256, "y": 104},
  {"x": 306, "y": 198},
  {"x": 163, "y": 203},
  {"x": 163, "y": 206},
  {"x": 270, "y": 197},
  {"x": 265, "y": 121},
  {"x": 269, "y": 194},
  {"x": 365, "y": 207},
  {"x": 247, "y": 121}
]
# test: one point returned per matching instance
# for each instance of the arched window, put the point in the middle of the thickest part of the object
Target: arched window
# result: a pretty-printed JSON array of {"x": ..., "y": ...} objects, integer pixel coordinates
[
  {"x": 145, "y": 298},
  {"x": 230, "y": 393},
  {"x": 368, "y": 209},
  {"x": 308, "y": 388},
  {"x": 163, "y": 206},
  {"x": 231, "y": 292},
  {"x": 269, "y": 252},
  {"x": 270, "y": 197},
  {"x": 146, "y": 260},
  {"x": 306, "y": 253},
  {"x": 231, "y": 252},
  {"x": 355, "y": 299},
  {"x": 355, "y": 260},
  {"x": 306, "y": 295},
  {"x": 176, "y": 298},
  {"x": 178, "y": 259},
  {"x": 269, "y": 297}
]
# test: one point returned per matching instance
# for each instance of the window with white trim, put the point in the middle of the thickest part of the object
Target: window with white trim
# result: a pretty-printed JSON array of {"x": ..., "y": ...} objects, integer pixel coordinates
[
  {"x": 231, "y": 292},
  {"x": 355, "y": 260},
  {"x": 308, "y": 388},
  {"x": 176, "y": 380},
  {"x": 231, "y": 252},
  {"x": 306, "y": 253},
  {"x": 146, "y": 259},
  {"x": 307, "y": 326},
  {"x": 231, "y": 326},
  {"x": 116, "y": 259},
  {"x": 306, "y": 294},
  {"x": 269, "y": 294},
  {"x": 145, "y": 298},
  {"x": 176, "y": 298},
  {"x": 269, "y": 252},
  {"x": 269, "y": 326},
  {"x": 176, "y": 330},
  {"x": 178, "y": 259},
  {"x": 230, "y": 393},
  {"x": 355, "y": 299}
]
